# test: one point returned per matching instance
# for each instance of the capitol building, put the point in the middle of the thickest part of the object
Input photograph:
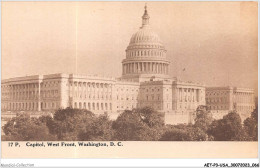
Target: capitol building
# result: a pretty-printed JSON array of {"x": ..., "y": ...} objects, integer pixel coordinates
[{"x": 145, "y": 81}]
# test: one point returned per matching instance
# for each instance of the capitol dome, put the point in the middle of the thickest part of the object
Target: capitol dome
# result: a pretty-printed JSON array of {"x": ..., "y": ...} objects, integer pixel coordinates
[
  {"x": 145, "y": 55},
  {"x": 145, "y": 35}
]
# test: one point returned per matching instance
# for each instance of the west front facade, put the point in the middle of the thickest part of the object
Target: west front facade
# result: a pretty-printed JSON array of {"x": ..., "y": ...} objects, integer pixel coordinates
[{"x": 97, "y": 94}]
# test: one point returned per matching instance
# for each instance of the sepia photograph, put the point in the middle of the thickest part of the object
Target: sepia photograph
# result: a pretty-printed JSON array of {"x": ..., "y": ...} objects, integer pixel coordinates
[{"x": 82, "y": 74}]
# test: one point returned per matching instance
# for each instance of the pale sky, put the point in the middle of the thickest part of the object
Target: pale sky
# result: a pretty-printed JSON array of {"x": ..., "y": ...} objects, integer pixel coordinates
[{"x": 216, "y": 42}]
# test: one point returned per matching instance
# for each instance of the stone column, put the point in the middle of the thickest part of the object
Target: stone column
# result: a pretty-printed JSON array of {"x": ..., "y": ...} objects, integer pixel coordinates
[
  {"x": 162, "y": 68},
  {"x": 27, "y": 91},
  {"x": 181, "y": 94},
  {"x": 73, "y": 93},
  {"x": 39, "y": 96},
  {"x": 14, "y": 93},
  {"x": 11, "y": 88},
  {"x": 176, "y": 100},
  {"x": 192, "y": 95},
  {"x": 230, "y": 100},
  {"x": 79, "y": 89},
  {"x": 242, "y": 101},
  {"x": 199, "y": 95},
  {"x": 196, "y": 95}
]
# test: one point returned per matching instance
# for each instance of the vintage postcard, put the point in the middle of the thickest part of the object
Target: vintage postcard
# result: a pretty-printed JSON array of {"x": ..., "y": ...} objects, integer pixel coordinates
[{"x": 121, "y": 79}]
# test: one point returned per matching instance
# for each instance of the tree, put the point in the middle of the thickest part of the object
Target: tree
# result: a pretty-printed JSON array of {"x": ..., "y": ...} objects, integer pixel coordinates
[
  {"x": 151, "y": 117},
  {"x": 139, "y": 125},
  {"x": 251, "y": 126},
  {"x": 203, "y": 118},
  {"x": 227, "y": 129},
  {"x": 98, "y": 130},
  {"x": 184, "y": 132},
  {"x": 176, "y": 134},
  {"x": 68, "y": 123},
  {"x": 24, "y": 128},
  {"x": 48, "y": 121}
]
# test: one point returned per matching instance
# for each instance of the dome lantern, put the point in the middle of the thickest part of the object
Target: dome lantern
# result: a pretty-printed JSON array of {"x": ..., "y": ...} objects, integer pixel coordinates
[{"x": 145, "y": 17}]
